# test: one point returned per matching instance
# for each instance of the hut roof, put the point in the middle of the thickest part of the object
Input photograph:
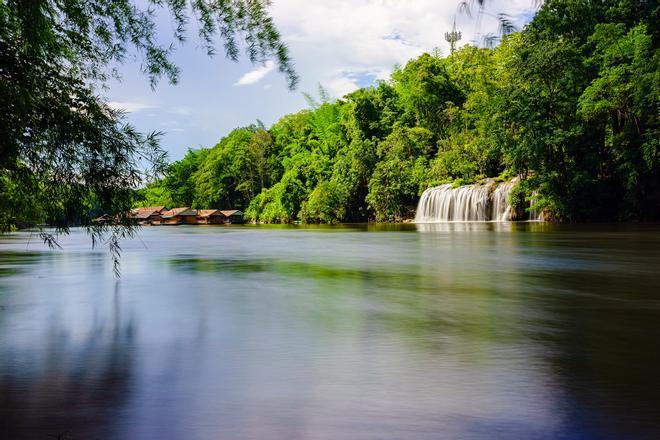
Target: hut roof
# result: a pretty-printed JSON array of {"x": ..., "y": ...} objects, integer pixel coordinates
[
  {"x": 208, "y": 212},
  {"x": 230, "y": 212},
  {"x": 144, "y": 214},
  {"x": 179, "y": 211},
  {"x": 158, "y": 209}
]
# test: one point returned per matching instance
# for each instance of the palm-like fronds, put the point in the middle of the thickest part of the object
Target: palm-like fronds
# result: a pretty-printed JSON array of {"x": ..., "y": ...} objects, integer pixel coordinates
[{"x": 506, "y": 22}]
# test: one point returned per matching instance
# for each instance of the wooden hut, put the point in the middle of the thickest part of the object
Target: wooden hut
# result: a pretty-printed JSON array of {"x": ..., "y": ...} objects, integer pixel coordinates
[
  {"x": 210, "y": 217},
  {"x": 179, "y": 216},
  {"x": 232, "y": 216},
  {"x": 149, "y": 215}
]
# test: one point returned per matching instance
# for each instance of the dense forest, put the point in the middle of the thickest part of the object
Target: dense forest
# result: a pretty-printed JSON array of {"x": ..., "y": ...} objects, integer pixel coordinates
[{"x": 569, "y": 104}]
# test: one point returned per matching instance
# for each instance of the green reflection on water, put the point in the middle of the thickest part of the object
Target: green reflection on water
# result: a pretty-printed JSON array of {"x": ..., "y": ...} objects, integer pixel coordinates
[
  {"x": 570, "y": 311},
  {"x": 15, "y": 262},
  {"x": 427, "y": 305}
]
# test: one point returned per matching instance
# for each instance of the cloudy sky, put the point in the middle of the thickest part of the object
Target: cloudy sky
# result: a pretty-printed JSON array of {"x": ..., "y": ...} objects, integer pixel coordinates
[{"x": 341, "y": 44}]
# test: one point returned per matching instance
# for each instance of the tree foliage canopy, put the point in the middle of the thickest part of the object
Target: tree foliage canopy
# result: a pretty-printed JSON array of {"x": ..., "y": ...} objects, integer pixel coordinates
[
  {"x": 65, "y": 155},
  {"x": 569, "y": 104}
]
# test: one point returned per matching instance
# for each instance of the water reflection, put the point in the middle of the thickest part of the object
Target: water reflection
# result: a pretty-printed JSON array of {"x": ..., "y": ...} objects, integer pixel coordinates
[
  {"x": 485, "y": 226},
  {"x": 509, "y": 331},
  {"x": 65, "y": 382}
]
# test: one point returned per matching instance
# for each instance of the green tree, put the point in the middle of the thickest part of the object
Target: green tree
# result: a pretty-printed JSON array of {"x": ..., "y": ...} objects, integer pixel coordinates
[
  {"x": 57, "y": 130},
  {"x": 569, "y": 104},
  {"x": 425, "y": 89},
  {"x": 400, "y": 175},
  {"x": 554, "y": 112},
  {"x": 623, "y": 100},
  {"x": 229, "y": 177},
  {"x": 326, "y": 204}
]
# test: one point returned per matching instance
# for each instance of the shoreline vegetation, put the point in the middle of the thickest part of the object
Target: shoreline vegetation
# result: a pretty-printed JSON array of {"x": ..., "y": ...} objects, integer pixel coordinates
[{"x": 568, "y": 106}]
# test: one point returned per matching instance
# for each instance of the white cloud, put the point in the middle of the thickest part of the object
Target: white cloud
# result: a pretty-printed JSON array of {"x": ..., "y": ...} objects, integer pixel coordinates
[
  {"x": 332, "y": 41},
  {"x": 256, "y": 75},
  {"x": 340, "y": 86},
  {"x": 130, "y": 106}
]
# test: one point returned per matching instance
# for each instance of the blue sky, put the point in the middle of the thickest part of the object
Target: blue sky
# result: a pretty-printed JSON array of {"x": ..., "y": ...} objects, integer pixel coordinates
[{"x": 341, "y": 44}]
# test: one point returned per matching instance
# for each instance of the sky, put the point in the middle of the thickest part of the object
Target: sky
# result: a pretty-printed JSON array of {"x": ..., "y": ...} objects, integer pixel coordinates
[{"x": 339, "y": 44}]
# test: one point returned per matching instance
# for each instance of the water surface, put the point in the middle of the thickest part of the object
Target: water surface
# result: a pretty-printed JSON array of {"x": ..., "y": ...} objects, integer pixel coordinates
[{"x": 457, "y": 331}]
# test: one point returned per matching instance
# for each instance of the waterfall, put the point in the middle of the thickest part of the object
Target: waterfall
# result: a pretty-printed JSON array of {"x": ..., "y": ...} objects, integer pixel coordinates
[
  {"x": 501, "y": 208},
  {"x": 535, "y": 215},
  {"x": 486, "y": 201}
]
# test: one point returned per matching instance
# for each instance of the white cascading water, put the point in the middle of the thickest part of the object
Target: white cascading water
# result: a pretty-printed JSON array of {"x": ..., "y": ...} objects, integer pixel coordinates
[
  {"x": 487, "y": 201},
  {"x": 535, "y": 215},
  {"x": 445, "y": 204},
  {"x": 501, "y": 210}
]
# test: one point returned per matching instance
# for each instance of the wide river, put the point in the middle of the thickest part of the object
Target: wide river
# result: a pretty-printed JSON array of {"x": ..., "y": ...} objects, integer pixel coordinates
[{"x": 456, "y": 331}]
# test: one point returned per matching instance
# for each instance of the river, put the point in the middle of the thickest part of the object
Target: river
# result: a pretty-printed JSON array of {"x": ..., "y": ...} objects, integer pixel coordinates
[{"x": 451, "y": 331}]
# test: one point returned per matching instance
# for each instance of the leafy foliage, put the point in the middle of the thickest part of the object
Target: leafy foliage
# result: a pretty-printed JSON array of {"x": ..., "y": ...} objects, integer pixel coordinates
[
  {"x": 569, "y": 104},
  {"x": 65, "y": 155}
]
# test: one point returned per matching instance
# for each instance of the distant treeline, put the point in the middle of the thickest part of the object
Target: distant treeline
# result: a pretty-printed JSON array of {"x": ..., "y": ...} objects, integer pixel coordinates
[{"x": 570, "y": 104}]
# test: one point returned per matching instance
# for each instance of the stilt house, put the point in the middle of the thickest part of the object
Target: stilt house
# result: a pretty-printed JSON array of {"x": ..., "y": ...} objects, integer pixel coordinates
[{"x": 179, "y": 216}]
